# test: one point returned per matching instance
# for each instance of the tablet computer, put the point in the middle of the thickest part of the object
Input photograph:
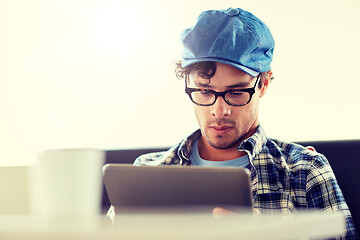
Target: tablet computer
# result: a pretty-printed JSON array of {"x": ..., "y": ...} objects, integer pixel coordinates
[{"x": 140, "y": 187}]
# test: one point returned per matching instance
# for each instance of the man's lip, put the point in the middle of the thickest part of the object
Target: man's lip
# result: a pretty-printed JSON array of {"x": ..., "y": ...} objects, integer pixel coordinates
[{"x": 221, "y": 128}]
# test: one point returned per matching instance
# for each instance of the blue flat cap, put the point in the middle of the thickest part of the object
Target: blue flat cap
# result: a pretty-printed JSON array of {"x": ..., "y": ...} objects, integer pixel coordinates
[{"x": 233, "y": 36}]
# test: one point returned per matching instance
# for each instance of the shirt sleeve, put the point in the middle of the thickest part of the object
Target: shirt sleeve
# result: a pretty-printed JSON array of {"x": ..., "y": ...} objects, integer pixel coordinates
[
  {"x": 323, "y": 192},
  {"x": 150, "y": 159}
]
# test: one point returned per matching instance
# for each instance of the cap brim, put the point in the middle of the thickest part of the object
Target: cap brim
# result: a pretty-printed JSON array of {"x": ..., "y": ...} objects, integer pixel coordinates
[{"x": 188, "y": 62}]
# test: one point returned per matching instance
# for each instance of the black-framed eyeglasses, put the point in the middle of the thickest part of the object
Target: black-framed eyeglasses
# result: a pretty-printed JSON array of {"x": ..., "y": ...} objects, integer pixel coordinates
[{"x": 233, "y": 97}]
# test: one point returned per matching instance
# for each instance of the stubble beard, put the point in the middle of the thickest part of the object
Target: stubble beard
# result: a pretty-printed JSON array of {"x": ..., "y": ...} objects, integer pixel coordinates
[{"x": 221, "y": 142}]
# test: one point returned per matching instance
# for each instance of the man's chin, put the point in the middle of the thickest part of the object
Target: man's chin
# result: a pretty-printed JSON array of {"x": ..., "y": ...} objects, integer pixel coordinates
[{"x": 222, "y": 144}]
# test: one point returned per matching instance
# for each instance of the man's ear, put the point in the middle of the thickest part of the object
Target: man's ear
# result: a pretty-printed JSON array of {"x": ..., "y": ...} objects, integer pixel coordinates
[
  {"x": 270, "y": 73},
  {"x": 265, "y": 83}
]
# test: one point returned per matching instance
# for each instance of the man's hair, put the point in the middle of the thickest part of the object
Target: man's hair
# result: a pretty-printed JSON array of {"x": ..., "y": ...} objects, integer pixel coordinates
[{"x": 205, "y": 69}]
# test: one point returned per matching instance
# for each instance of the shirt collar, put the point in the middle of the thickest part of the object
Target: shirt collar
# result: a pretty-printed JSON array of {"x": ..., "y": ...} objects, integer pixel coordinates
[
  {"x": 255, "y": 143},
  {"x": 186, "y": 147}
]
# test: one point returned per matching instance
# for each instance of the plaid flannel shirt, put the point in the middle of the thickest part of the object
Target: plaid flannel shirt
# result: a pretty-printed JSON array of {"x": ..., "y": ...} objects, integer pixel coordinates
[{"x": 285, "y": 176}]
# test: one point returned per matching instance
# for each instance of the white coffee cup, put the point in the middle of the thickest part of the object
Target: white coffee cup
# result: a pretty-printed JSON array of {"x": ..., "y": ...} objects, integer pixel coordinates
[{"x": 68, "y": 184}]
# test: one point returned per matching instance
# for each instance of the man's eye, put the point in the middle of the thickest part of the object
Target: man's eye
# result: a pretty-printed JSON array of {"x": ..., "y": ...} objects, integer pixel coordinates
[
  {"x": 235, "y": 94},
  {"x": 205, "y": 93}
]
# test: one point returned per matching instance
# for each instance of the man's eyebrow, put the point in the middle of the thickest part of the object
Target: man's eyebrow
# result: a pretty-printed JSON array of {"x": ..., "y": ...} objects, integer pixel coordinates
[
  {"x": 202, "y": 85},
  {"x": 239, "y": 85}
]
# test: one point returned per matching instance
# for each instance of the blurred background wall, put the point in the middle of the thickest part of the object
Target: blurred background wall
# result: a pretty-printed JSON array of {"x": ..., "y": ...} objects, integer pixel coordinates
[{"x": 99, "y": 73}]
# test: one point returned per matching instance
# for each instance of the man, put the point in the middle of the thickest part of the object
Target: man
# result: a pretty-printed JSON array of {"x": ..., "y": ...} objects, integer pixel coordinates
[{"x": 226, "y": 68}]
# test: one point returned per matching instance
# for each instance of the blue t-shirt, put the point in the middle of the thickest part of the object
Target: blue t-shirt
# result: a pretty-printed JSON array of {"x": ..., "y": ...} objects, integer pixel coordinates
[{"x": 198, "y": 161}]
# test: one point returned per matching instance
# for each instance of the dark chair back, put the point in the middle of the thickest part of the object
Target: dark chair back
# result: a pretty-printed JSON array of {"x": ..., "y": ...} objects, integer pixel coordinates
[{"x": 344, "y": 158}]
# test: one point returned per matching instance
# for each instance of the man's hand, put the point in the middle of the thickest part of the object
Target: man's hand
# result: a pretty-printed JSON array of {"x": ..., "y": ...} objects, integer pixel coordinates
[{"x": 219, "y": 212}]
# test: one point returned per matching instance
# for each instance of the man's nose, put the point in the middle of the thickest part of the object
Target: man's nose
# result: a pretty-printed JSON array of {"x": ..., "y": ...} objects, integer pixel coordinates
[{"x": 220, "y": 108}]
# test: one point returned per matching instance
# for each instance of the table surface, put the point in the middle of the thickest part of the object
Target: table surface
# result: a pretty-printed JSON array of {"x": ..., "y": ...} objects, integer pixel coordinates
[{"x": 176, "y": 226}]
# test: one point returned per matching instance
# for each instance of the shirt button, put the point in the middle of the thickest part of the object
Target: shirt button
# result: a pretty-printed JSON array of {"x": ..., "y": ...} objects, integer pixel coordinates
[{"x": 232, "y": 12}]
